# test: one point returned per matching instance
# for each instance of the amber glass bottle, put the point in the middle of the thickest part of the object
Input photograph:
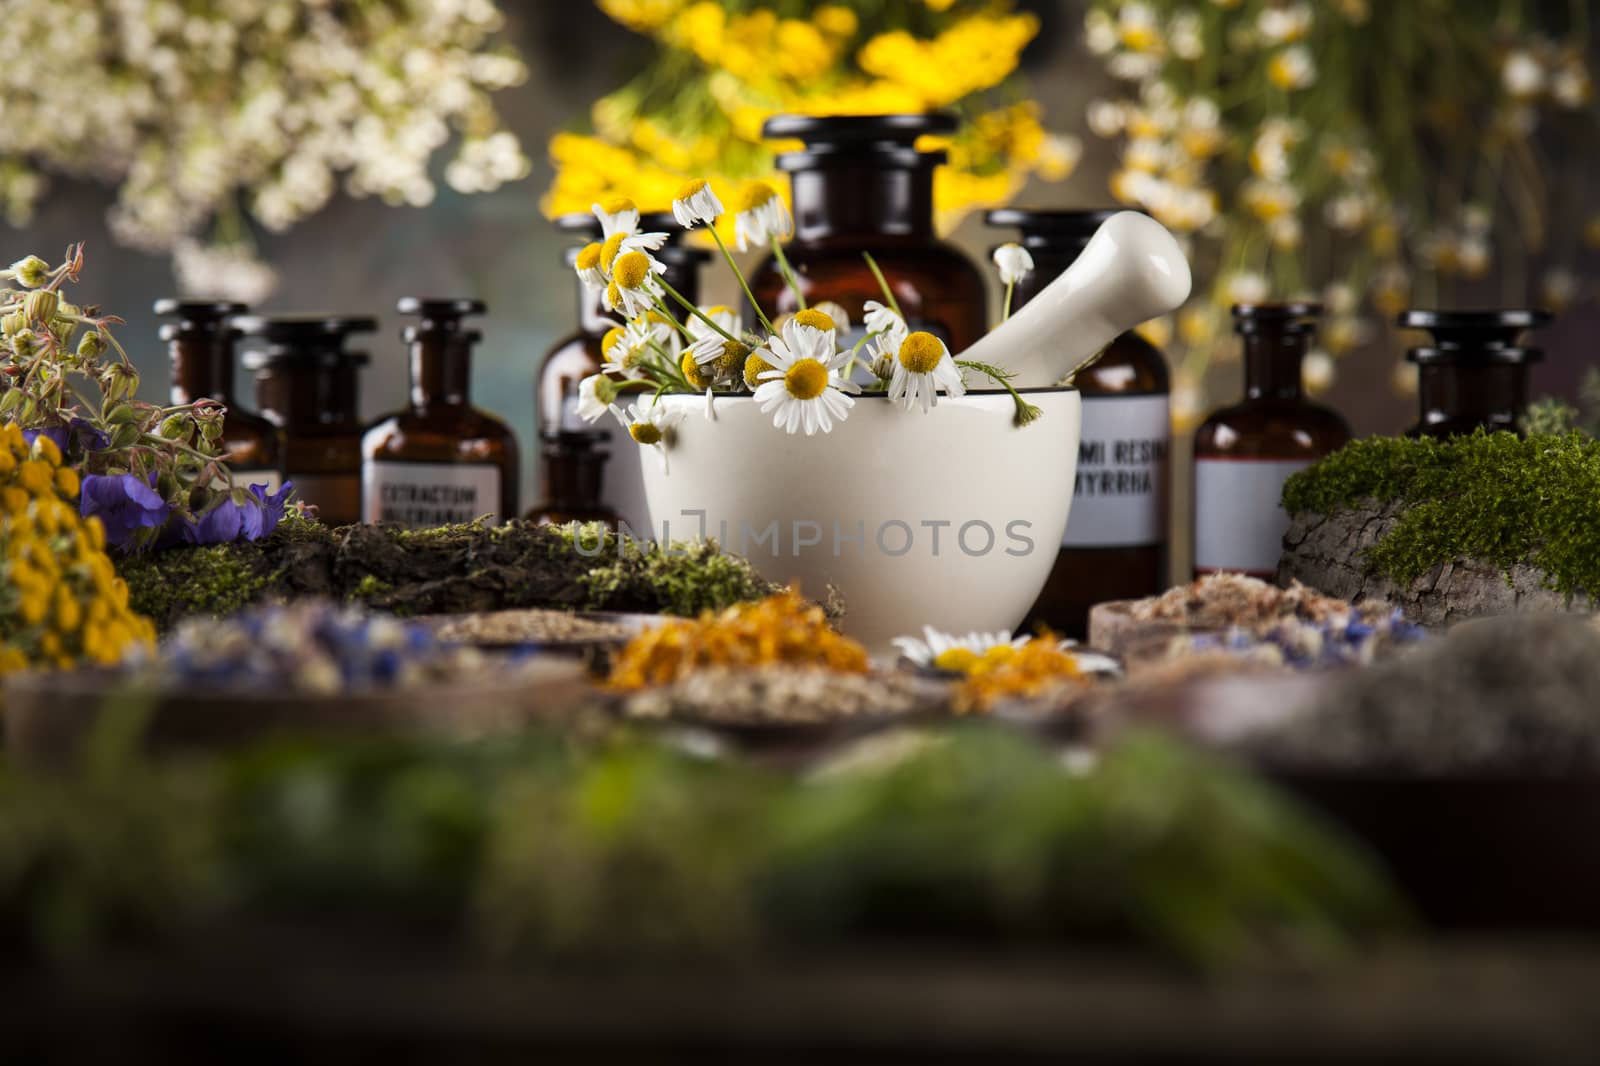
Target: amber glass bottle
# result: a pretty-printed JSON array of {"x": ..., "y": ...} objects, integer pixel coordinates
[
  {"x": 1243, "y": 454},
  {"x": 1115, "y": 547},
  {"x": 860, "y": 185},
  {"x": 440, "y": 460},
  {"x": 1475, "y": 373},
  {"x": 572, "y": 476},
  {"x": 201, "y": 346},
  {"x": 306, "y": 384}
]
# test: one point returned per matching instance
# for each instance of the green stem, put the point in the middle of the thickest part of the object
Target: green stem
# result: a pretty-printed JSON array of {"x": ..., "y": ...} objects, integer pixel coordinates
[
  {"x": 669, "y": 369},
  {"x": 1026, "y": 412},
  {"x": 1011, "y": 287},
  {"x": 888, "y": 295},
  {"x": 696, "y": 312},
  {"x": 673, "y": 319},
  {"x": 742, "y": 283},
  {"x": 788, "y": 273}
]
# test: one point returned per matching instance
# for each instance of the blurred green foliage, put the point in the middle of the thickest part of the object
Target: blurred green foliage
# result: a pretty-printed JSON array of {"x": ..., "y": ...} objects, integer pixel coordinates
[{"x": 540, "y": 849}]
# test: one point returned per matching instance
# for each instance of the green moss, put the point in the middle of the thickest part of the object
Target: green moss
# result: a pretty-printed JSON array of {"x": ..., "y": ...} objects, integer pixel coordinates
[
  {"x": 1495, "y": 497},
  {"x": 216, "y": 580},
  {"x": 682, "y": 579},
  {"x": 370, "y": 586}
]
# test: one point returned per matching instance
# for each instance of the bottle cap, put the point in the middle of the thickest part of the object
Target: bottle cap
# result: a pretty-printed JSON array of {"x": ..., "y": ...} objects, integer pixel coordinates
[
  {"x": 886, "y": 139},
  {"x": 439, "y": 315},
  {"x": 1292, "y": 318},
  {"x": 314, "y": 338},
  {"x": 1474, "y": 338},
  {"x": 197, "y": 316}
]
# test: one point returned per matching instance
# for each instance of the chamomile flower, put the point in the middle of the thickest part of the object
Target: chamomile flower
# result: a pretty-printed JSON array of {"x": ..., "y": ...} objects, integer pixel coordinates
[
  {"x": 633, "y": 288},
  {"x": 717, "y": 358},
  {"x": 724, "y": 316},
  {"x": 595, "y": 395},
  {"x": 944, "y": 651},
  {"x": 803, "y": 390},
  {"x": 650, "y": 425},
  {"x": 754, "y": 367},
  {"x": 696, "y": 203},
  {"x": 587, "y": 264},
  {"x": 617, "y": 215},
  {"x": 1013, "y": 262},
  {"x": 762, "y": 216},
  {"x": 836, "y": 314},
  {"x": 625, "y": 347},
  {"x": 881, "y": 319},
  {"x": 624, "y": 241},
  {"x": 811, "y": 328},
  {"x": 702, "y": 377},
  {"x": 922, "y": 365}
]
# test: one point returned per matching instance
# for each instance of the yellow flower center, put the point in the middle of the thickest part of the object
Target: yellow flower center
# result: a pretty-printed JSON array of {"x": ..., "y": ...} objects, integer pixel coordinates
[
  {"x": 645, "y": 432},
  {"x": 733, "y": 354},
  {"x": 814, "y": 318},
  {"x": 631, "y": 270},
  {"x": 719, "y": 309},
  {"x": 609, "y": 250},
  {"x": 921, "y": 352},
  {"x": 691, "y": 189},
  {"x": 956, "y": 660},
  {"x": 589, "y": 255},
  {"x": 756, "y": 194},
  {"x": 617, "y": 205},
  {"x": 806, "y": 380},
  {"x": 692, "y": 372},
  {"x": 754, "y": 367},
  {"x": 613, "y": 295},
  {"x": 614, "y": 336}
]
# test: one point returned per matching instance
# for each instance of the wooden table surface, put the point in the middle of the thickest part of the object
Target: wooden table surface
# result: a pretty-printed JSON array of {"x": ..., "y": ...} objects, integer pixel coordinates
[{"x": 1458, "y": 1002}]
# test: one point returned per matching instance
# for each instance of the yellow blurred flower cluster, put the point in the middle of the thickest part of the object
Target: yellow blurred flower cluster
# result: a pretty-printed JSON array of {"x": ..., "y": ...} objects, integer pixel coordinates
[
  {"x": 61, "y": 601},
  {"x": 726, "y": 67},
  {"x": 1296, "y": 146}
]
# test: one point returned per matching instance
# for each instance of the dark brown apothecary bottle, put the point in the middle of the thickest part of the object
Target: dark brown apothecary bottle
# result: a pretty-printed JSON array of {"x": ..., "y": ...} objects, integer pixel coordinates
[
  {"x": 572, "y": 475},
  {"x": 306, "y": 384},
  {"x": 1244, "y": 453},
  {"x": 860, "y": 185},
  {"x": 1475, "y": 373},
  {"x": 440, "y": 460},
  {"x": 1115, "y": 547},
  {"x": 201, "y": 346}
]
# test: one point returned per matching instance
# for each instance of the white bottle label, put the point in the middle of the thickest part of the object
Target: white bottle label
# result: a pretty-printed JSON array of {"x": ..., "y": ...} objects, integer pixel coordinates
[
  {"x": 1119, "y": 499},
  {"x": 244, "y": 477},
  {"x": 423, "y": 495},
  {"x": 1239, "y": 520}
]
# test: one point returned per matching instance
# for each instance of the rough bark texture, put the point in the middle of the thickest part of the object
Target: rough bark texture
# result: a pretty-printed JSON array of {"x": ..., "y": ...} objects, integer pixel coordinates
[
  {"x": 453, "y": 570},
  {"x": 1329, "y": 553}
]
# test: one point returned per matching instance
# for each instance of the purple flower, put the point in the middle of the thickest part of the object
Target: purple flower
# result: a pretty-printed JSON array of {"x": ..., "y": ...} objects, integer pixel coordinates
[
  {"x": 77, "y": 430},
  {"x": 230, "y": 519},
  {"x": 89, "y": 438},
  {"x": 58, "y": 434},
  {"x": 124, "y": 503}
]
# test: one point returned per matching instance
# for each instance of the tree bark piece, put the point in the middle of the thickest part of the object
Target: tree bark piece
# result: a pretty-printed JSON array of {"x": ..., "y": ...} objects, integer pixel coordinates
[{"x": 1329, "y": 552}]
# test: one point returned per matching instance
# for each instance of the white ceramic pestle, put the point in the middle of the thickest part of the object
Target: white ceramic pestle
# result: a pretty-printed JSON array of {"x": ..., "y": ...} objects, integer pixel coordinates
[{"x": 1130, "y": 271}]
